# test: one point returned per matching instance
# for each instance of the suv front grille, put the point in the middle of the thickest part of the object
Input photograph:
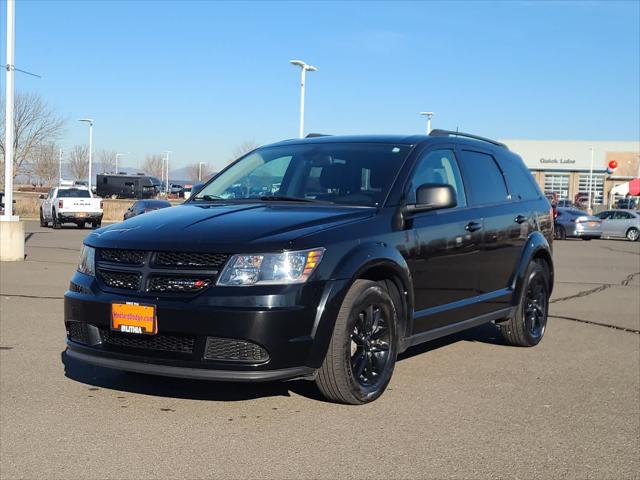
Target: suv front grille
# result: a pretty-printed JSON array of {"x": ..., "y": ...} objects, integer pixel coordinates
[
  {"x": 178, "y": 284},
  {"x": 234, "y": 350},
  {"x": 159, "y": 272},
  {"x": 122, "y": 280},
  {"x": 190, "y": 260},
  {"x": 129, "y": 257},
  {"x": 167, "y": 343}
]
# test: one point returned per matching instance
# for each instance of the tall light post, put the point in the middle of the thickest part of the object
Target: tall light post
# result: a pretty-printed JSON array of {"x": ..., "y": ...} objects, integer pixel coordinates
[
  {"x": 200, "y": 171},
  {"x": 167, "y": 152},
  {"x": 590, "y": 181},
  {"x": 119, "y": 155},
  {"x": 304, "y": 68},
  {"x": 428, "y": 115},
  {"x": 60, "y": 168},
  {"x": 90, "y": 122},
  {"x": 8, "y": 119}
]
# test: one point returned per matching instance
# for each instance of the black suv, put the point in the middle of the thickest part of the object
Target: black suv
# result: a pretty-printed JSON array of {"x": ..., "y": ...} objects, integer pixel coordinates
[{"x": 320, "y": 258}]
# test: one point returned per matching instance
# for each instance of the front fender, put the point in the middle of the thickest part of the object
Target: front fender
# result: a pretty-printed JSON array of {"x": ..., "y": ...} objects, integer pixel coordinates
[
  {"x": 537, "y": 246},
  {"x": 360, "y": 262}
]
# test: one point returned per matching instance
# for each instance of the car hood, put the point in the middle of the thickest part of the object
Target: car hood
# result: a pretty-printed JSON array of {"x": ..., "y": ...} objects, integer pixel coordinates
[{"x": 232, "y": 228}]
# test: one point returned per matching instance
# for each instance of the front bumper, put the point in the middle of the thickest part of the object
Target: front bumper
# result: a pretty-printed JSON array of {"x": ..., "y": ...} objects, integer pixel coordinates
[{"x": 292, "y": 324}]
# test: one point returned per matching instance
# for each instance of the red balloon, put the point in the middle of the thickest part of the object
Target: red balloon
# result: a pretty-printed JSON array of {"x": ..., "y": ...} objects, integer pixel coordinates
[{"x": 613, "y": 164}]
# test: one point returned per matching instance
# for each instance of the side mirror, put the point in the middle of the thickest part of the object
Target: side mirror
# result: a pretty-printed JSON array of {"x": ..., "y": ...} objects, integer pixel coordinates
[
  {"x": 42, "y": 197},
  {"x": 433, "y": 196}
]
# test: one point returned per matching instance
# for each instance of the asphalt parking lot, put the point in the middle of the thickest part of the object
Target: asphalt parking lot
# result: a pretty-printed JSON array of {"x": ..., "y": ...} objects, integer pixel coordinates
[{"x": 463, "y": 407}]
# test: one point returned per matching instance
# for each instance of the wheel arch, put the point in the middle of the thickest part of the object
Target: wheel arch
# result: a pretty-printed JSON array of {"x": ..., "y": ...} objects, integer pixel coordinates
[
  {"x": 375, "y": 262},
  {"x": 537, "y": 248}
]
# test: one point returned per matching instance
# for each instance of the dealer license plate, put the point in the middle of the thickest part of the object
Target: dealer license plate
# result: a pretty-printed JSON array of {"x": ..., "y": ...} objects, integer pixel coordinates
[{"x": 132, "y": 317}]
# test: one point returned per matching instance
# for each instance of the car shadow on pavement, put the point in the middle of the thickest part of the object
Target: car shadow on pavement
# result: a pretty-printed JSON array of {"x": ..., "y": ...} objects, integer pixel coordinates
[{"x": 169, "y": 387}]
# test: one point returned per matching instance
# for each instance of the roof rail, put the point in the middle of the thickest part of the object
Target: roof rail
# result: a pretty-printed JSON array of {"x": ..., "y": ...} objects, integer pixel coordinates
[
  {"x": 314, "y": 135},
  {"x": 448, "y": 133}
]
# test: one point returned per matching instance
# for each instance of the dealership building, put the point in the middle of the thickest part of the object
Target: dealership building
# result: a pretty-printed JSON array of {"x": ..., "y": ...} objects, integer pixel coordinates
[{"x": 562, "y": 166}]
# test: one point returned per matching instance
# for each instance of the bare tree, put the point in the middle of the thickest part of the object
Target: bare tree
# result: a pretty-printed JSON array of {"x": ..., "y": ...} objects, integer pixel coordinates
[
  {"x": 35, "y": 124},
  {"x": 107, "y": 160},
  {"x": 79, "y": 162},
  {"x": 196, "y": 172},
  {"x": 240, "y": 150},
  {"x": 153, "y": 165},
  {"x": 45, "y": 163}
]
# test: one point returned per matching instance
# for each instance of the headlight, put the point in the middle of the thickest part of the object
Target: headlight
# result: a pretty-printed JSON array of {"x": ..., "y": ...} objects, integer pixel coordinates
[
  {"x": 271, "y": 268},
  {"x": 87, "y": 262}
]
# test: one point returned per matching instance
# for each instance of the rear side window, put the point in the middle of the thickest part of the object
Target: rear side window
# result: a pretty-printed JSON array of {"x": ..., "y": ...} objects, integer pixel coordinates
[
  {"x": 522, "y": 185},
  {"x": 483, "y": 178}
]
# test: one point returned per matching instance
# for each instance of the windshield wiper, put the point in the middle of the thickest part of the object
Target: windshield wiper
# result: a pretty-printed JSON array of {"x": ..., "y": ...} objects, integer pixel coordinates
[
  {"x": 208, "y": 198},
  {"x": 285, "y": 198}
]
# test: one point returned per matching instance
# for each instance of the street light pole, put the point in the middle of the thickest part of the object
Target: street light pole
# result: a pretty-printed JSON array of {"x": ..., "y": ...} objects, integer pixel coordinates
[
  {"x": 167, "y": 152},
  {"x": 119, "y": 155},
  {"x": 90, "y": 122},
  {"x": 8, "y": 119},
  {"x": 428, "y": 115},
  {"x": 60, "y": 168},
  {"x": 304, "y": 67},
  {"x": 200, "y": 171},
  {"x": 590, "y": 181}
]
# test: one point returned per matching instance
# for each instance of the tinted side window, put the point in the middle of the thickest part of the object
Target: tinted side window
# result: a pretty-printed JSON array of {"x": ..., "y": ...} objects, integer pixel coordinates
[
  {"x": 484, "y": 178},
  {"x": 438, "y": 166},
  {"x": 522, "y": 185}
]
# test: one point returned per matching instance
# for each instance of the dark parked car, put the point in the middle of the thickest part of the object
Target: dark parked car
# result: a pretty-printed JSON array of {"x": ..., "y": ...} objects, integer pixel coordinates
[
  {"x": 364, "y": 247},
  {"x": 145, "y": 206}
]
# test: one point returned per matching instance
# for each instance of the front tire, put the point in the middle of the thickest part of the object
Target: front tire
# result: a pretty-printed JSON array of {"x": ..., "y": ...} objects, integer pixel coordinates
[
  {"x": 528, "y": 325},
  {"x": 363, "y": 349},
  {"x": 56, "y": 222},
  {"x": 633, "y": 234}
]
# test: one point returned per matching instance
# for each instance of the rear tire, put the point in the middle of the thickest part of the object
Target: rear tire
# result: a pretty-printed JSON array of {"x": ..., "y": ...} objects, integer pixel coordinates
[
  {"x": 362, "y": 354},
  {"x": 42, "y": 222},
  {"x": 633, "y": 234},
  {"x": 586, "y": 239},
  {"x": 529, "y": 323},
  {"x": 81, "y": 225}
]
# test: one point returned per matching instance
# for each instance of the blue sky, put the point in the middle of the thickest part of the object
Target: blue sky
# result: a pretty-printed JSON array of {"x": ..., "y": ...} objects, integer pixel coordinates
[{"x": 199, "y": 78}]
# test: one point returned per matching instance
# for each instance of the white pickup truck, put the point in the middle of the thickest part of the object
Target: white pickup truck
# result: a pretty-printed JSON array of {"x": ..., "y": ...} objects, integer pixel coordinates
[{"x": 70, "y": 205}]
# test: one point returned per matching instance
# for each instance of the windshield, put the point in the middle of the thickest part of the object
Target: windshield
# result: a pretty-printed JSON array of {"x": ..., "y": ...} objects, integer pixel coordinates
[
  {"x": 73, "y": 193},
  {"x": 343, "y": 173}
]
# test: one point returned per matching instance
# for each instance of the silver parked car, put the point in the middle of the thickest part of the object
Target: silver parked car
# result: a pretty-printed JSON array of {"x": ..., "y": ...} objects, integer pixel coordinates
[
  {"x": 621, "y": 224},
  {"x": 574, "y": 223}
]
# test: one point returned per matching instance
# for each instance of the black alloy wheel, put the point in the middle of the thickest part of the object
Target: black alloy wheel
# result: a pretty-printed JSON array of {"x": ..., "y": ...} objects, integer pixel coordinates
[
  {"x": 370, "y": 340},
  {"x": 536, "y": 305}
]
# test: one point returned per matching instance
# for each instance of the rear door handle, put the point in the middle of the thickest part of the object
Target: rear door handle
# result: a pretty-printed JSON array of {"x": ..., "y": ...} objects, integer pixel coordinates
[
  {"x": 473, "y": 226},
  {"x": 520, "y": 219}
]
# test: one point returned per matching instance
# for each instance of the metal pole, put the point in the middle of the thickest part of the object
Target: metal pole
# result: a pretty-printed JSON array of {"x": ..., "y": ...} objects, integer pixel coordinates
[
  {"x": 302, "y": 79},
  {"x": 590, "y": 181},
  {"x": 8, "y": 134},
  {"x": 60, "y": 167},
  {"x": 200, "y": 171},
  {"x": 429, "y": 125},
  {"x": 90, "y": 151},
  {"x": 167, "y": 187}
]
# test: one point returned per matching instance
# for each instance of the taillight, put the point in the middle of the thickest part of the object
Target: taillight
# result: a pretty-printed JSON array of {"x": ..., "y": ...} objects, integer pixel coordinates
[{"x": 60, "y": 202}]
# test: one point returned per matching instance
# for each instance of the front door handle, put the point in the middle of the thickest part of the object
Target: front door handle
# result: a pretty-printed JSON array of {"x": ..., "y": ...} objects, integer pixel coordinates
[
  {"x": 520, "y": 219},
  {"x": 473, "y": 227}
]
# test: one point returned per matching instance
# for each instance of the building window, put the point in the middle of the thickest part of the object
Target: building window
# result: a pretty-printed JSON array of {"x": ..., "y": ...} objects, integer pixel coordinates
[
  {"x": 597, "y": 187},
  {"x": 557, "y": 183}
]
